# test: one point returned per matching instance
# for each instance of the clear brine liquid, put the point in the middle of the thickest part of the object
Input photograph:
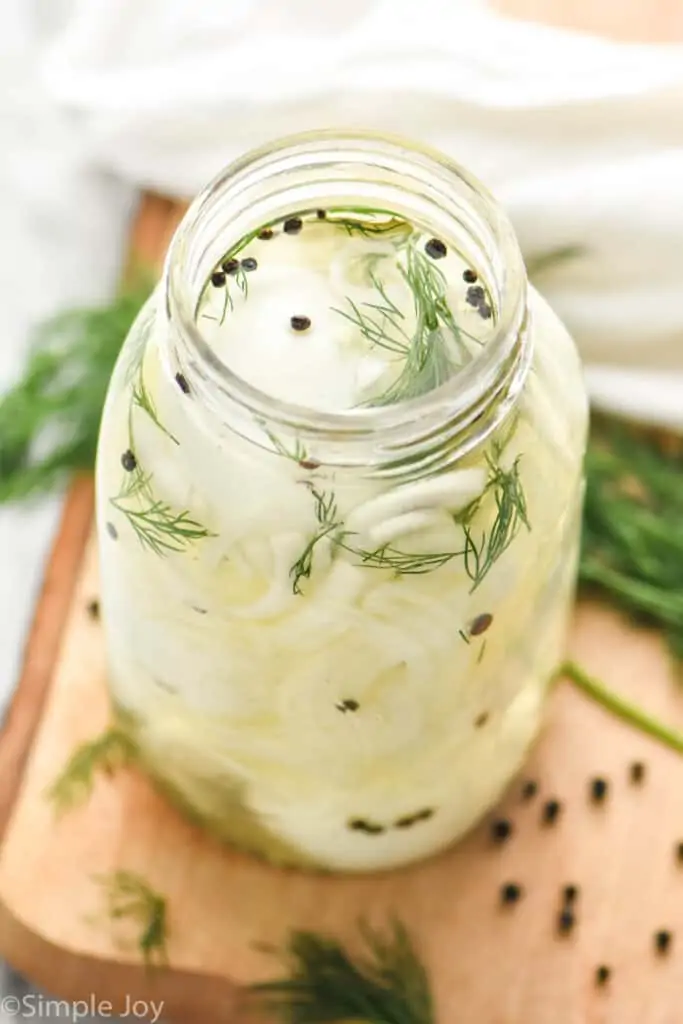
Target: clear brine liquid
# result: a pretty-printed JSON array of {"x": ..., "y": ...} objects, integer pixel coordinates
[
  {"x": 324, "y": 667},
  {"x": 343, "y": 311}
]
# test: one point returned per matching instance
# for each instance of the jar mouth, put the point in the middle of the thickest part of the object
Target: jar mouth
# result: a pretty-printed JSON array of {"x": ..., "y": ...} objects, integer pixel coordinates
[{"x": 333, "y": 169}]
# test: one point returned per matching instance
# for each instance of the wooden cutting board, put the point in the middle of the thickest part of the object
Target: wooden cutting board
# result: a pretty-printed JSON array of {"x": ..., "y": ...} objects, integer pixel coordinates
[{"x": 489, "y": 965}]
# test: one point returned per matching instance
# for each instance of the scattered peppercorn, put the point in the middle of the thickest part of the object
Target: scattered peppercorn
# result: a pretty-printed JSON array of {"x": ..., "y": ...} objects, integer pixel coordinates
[
  {"x": 484, "y": 310},
  {"x": 501, "y": 830},
  {"x": 481, "y": 719},
  {"x": 266, "y": 234},
  {"x": 231, "y": 266},
  {"x": 480, "y": 624},
  {"x": 436, "y": 249},
  {"x": 293, "y": 225},
  {"x": 529, "y": 789},
  {"x": 93, "y": 608},
  {"x": 218, "y": 279},
  {"x": 111, "y": 530},
  {"x": 565, "y": 921},
  {"x": 470, "y": 276},
  {"x": 360, "y": 825},
  {"x": 249, "y": 263},
  {"x": 602, "y": 975},
  {"x": 182, "y": 383},
  {"x": 128, "y": 461},
  {"x": 475, "y": 294},
  {"x": 300, "y": 323},
  {"x": 321, "y": 214},
  {"x": 406, "y": 822},
  {"x": 551, "y": 811},
  {"x": 598, "y": 790},
  {"x": 570, "y": 893},
  {"x": 511, "y": 892},
  {"x": 663, "y": 940},
  {"x": 348, "y": 705},
  {"x": 637, "y": 772},
  {"x": 309, "y": 464}
]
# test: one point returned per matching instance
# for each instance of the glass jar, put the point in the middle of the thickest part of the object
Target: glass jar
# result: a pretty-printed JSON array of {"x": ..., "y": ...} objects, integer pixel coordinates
[{"x": 331, "y": 629}]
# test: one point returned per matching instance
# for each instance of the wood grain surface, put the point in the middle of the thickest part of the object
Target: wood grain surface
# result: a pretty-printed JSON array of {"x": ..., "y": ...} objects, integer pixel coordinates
[{"x": 490, "y": 965}]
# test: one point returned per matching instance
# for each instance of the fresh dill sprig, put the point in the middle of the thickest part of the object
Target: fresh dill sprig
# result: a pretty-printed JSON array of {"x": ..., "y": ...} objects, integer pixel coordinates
[
  {"x": 371, "y": 223},
  {"x": 387, "y": 984},
  {"x": 538, "y": 265},
  {"x": 129, "y": 898},
  {"x": 511, "y": 514},
  {"x": 388, "y": 557},
  {"x": 105, "y": 754},
  {"x": 327, "y": 514},
  {"x": 381, "y": 327},
  {"x": 295, "y": 454},
  {"x": 427, "y": 349},
  {"x": 142, "y": 399},
  {"x": 614, "y": 703},
  {"x": 632, "y": 539},
  {"x": 157, "y": 526},
  {"x": 49, "y": 419}
]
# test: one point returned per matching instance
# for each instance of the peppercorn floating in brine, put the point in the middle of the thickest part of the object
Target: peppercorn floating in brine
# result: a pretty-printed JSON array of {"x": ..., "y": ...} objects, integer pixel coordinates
[{"x": 338, "y": 644}]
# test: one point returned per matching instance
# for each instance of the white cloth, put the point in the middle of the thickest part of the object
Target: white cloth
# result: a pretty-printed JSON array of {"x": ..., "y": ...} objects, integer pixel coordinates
[{"x": 580, "y": 138}]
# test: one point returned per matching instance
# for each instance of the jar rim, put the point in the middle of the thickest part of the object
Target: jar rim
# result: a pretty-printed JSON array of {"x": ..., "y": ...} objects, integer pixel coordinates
[{"x": 437, "y": 183}]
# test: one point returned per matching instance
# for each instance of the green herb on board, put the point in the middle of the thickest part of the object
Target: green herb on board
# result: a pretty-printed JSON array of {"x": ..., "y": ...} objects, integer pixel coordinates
[
  {"x": 50, "y": 418},
  {"x": 631, "y": 714},
  {"x": 104, "y": 754},
  {"x": 385, "y": 984},
  {"x": 130, "y": 899}
]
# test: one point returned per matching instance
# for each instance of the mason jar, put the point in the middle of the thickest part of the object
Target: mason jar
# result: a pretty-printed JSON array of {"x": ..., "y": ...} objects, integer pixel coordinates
[{"x": 339, "y": 492}]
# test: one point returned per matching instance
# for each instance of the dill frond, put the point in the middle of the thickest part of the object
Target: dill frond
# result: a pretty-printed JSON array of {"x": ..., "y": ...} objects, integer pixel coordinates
[{"x": 105, "y": 754}]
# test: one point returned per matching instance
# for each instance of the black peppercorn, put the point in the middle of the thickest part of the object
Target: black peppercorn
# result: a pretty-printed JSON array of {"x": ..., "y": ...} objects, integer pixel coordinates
[
  {"x": 112, "y": 531},
  {"x": 484, "y": 310},
  {"x": 300, "y": 323},
  {"x": 266, "y": 234},
  {"x": 470, "y": 276},
  {"x": 321, "y": 214},
  {"x": 501, "y": 830},
  {"x": 436, "y": 249},
  {"x": 218, "y": 279},
  {"x": 480, "y": 624},
  {"x": 475, "y": 294},
  {"x": 529, "y": 789},
  {"x": 565, "y": 921},
  {"x": 293, "y": 225},
  {"x": 231, "y": 266},
  {"x": 249, "y": 263},
  {"x": 602, "y": 975},
  {"x": 598, "y": 790},
  {"x": 182, "y": 383},
  {"x": 637, "y": 772},
  {"x": 309, "y": 464},
  {"x": 406, "y": 822},
  {"x": 551, "y": 811},
  {"x": 481, "y": 719},
  {"x": 360, "y": 825},
  {"x": 663, "y": 941},
  {"x": 424, "y": 815},
  {"x": 348, "y": 705},
  {"x": 570, "y": 893},
  {"x": 93, "y": 608},
  {"x": 128, "y": 461},
  {"x": 511, "y": 892}
]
